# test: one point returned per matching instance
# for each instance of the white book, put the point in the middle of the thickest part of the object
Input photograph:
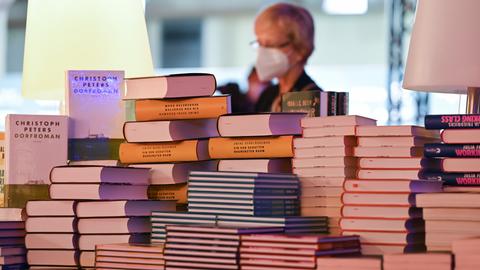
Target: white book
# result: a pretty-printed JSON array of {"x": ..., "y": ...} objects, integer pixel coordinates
[{"x": 34, "y": 145}]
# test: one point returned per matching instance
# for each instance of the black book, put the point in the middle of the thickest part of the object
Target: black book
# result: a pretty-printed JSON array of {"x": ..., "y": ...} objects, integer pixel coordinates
[
  {"x": 452, "y": 121},
  {"x": 452, "y": 179},
  {"x": 452, "y": 150}
]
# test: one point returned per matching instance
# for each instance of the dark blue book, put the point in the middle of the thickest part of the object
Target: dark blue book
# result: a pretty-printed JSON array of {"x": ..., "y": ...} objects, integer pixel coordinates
[
  {"x": 453, "y": 179},
  {"x": 452, "y": 150},
  {"x": 452, "y": 121}
]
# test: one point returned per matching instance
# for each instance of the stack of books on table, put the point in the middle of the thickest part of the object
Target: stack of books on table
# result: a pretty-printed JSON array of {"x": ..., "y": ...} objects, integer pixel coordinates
[
  {"x": 418, "y": 261},
  {"x": 256, "y": 142},
  {"x": 200, "y": 247},
  {"x": 278, "y": 251},
  {"x": 465, "y": 252},
  {"x": 91, "y": 205},
  {"x": 458, "y": 156},
  {"x": 323, "y": 159},
  {"x": 349, "y": 263},
  {"x": 130, "y": 256},
  {"x": 12, "y": 240},
  {"x": 379, "y": 205},
  {"x": 173, "y": 118}
]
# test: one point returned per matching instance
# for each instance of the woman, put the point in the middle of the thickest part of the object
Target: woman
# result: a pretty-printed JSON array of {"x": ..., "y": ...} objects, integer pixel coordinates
[{"x": 285, "y": 39}]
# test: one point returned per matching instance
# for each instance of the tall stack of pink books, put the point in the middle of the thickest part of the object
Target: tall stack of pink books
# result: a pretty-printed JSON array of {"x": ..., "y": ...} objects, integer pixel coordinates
[
  {"x": 90, "y": 205},
  {"x": 12, "y": 239},
  {"x": 465, "y": 252},
  {"x": 323, "y": 159},
  {"x": 379, "y": 204},
  {"x": 418, "y": 261},
  {"x": 268, "y": 252}
]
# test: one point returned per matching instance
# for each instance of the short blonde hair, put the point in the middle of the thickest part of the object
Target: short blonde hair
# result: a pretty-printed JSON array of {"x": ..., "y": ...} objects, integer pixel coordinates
[{"x": 297, "y": 23}]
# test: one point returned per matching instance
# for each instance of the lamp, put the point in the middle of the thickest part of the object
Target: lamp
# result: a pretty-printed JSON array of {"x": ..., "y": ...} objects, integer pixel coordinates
[
  {"x": 82, "y": 35},
  {"x": 444, "y": 54}
]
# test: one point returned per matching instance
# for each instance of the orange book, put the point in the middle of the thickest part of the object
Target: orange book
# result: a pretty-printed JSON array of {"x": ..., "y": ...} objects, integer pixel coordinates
[
  {"x": 182, "y": 108},
  {"x": 251, "y": 147},
  {"x": 190, "y": 150},
  {"x": 177, "y": 192}
]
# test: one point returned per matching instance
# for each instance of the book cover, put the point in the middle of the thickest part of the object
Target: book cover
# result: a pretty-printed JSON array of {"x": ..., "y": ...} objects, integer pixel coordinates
[
  {"x": 95, "y": 110},
  {"x": 263, "y": 124},
  {"x": 313, "y": 103},
  {"x": 176, "y": 192},
  {"x": 182, "y": 108},
  {"x": 251, "y": 147},
  {"x": 337, "y": 121},
  {"x": 452, "y": 150},
  {"x": 452, "y": 121},
  {"x": 342, "y": 99},
  {"x": 452, "y": 179},
  {"x": 93, "y": 149}
]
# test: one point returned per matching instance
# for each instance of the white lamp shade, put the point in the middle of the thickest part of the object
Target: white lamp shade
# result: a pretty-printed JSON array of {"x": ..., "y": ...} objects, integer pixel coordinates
[
  {"x": 82, "y": 35},
  {"x": 444, "y": 53}
]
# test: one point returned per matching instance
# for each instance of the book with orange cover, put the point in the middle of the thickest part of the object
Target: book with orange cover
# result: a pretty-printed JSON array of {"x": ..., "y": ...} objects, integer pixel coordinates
[
  {"x": 343, "y": 120},
  {"x": 171, "y": 86},
  {"x": 375, "y": 131},
  {"x": 176, "y": 192},
  {"x": 190, "y": 150},
  {"x": 182, "y": 108},
  {"x": 251, "y": 147}
]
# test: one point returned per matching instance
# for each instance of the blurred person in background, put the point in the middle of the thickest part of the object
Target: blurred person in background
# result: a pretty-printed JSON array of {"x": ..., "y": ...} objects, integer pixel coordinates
[{"x": 285, "y": 41}]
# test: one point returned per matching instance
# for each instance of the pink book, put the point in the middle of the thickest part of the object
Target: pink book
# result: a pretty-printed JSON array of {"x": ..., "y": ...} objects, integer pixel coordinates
[
  {"x": 321, "y": 201},
  {"x": 98, "y": 192},
  {"x": 407, "y": 141},
  {"x": 326, "y": 172},
  {"x": 463, "y": 136},
  {"x": 51, "y": 224},
  {"x": 385, "y": 131},
  {"x": 88, "y": 241},
  {"x": 324, "y": 162},
  {"x": 390, "y": 151},
  {"x": 280, "y": 257},
  {"x": 12, "y": 215},
  {"x": 395, "y": 212},
  {"x": 51, "y": 241},
  {"x": 393, "y": 186},
  {"x": 99, "y": 174},
  {"x": 321, "y": 181},
  {"x": 383, "y": 199},
  {"x": 467, "y": 261},
  {"x": 466, "y": 246},
  {"x": 133, "y": 247},
  {"x": 417, "y": 259},
  {"x": 322, "y": 191},
  {"x": 398, "y": 163},
  {"x": 323, "y": 152},
  {"x": 347, "y": 263},
  {"x": 12, "y": 250},
  {"x": 87, "y": 259},
  {"x": 170, "y": 86},
  {"x": 388, "y": 174},
  {"x": 53, "y": 257},
  {"x": 320, "y": 211},
  {"x": 329, "y": 131},
  {"x": 193, "y": 258},
  {"x": 447, "y": 213},
  {"x": 114, "y": 225},
  {"x": 214, "y": 246},
  {"x": 110, "y": 265},
  {"x": 174, "y": 173},
  {"x": 454, "y": 200},
  {"x": 447, "y": 225},
  {"x": 127, "y": 260},
  {"x": 278, "y": 263},
  {"x": 274, "y": 165},
  {"x": 398, "y": 238},
  {"x": 463, "y": 165},
  {"x": 338, "y": 120},
  {"x": 382, "y": 225},
  {"x": 263, "y": 124},
  {"x": 196, "y": 253},
  {"x": 338, "y": 141},
  {"x": 50, "y": 208},
  {"x": 122, "y": 208},
  {"x": 212, "y": 264},
  {"x": 14, "y": 259},
  {"x": 129, "y": 254},
  {"x": 379, "y": 249}
]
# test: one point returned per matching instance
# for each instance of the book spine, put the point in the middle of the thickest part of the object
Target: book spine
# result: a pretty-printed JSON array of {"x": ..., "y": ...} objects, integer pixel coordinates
[
  {"x": 452, "y": 121},
  {"x": 158, "y": 152},
  {"x": 453, "y": 179},
  {"x": 452, "y": 150},
  {"x": 304, "y": 101},
  {"x": 179, "y": 109},
  {"x": 177, "y": 192},
  {"x": 251, "y": 147},
  {"x": 331, "y": 103},
  {"x": 93, "y": 149},
  {"x": 342, "y": 103},
  {"x": 17, "y": 196}
]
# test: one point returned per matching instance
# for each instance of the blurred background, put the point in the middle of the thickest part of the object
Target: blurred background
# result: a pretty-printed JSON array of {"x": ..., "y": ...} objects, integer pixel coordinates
[{"x": 361, "y": 47}]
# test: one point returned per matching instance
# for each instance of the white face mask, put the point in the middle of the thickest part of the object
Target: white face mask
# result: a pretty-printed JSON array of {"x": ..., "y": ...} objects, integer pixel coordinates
[{"x": 271, "y": 63}]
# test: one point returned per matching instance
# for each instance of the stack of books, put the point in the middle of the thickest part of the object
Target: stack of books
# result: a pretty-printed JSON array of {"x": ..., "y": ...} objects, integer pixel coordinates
[
  {"x": 449, "y": 216},
  {"x": 274, "y": 251},
  {"x": 12, "y": 241},
  {"x": 161, "y": 219},
  {"x": 130, "y": 256},
  {"x": 243, "y": 194},
  {"x": 199, "y": 247},
  {"x": 419, "y": 261},
  {"x": 379, "y": 204},
  {"x": 323, "y": 159},
  {"x": 349, "y": 263},
  {"x": 466, "y": 253},
  {"x": 91, "y": 205},
  {"x": 173, "y": 117},
  {"x": 52, "y": 237},
  {"x": 256, "y": 142}
]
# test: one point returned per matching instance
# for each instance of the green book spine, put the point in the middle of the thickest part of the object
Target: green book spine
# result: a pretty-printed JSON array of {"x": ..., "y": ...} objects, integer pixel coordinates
[
  {"x": 93, "y": 149},
  {"x": 16, "y": 196},
  {"x": 302, "y": 101}
]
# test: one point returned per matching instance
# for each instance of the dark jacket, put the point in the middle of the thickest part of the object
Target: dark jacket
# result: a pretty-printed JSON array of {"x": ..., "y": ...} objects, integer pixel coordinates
[{"x": 266, "y": 99}]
